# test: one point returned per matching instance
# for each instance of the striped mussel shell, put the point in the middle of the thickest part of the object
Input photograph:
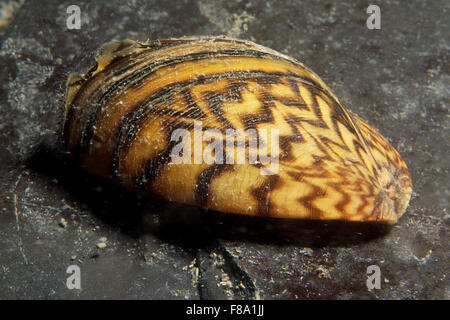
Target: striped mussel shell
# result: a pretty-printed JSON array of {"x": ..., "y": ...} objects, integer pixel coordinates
[{"x": 231, "y": 126}]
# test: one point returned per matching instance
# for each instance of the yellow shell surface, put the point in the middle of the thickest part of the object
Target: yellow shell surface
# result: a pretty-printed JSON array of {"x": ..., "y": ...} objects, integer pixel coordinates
[{"x": 254, "y": 132}]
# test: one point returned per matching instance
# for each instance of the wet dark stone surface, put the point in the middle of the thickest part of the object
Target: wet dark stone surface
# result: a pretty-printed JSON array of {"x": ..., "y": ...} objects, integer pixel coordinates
[{"x": 52, "y": 215}]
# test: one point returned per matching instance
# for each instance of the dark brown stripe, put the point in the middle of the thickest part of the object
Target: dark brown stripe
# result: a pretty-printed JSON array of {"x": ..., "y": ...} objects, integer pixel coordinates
[
  {"x": 231, "y": 93},
  {"x": 285, "y": 142},
  {"x": 340, "y": 206},
  {"x": 153, "y": 168},
  {"x": 204, "y": 179},
  {"x": 264, "y": 115},
  {"x": 262, "y": 194},
  {"x": 324, "y": 150},
  {"x": 194, "y": 111},
  {"x": 364, "y": 203},
  {"x": 307, "y": 202}
]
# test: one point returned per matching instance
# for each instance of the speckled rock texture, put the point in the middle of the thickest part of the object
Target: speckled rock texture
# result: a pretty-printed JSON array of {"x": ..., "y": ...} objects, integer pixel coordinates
[{"x": 52, "y": 215}]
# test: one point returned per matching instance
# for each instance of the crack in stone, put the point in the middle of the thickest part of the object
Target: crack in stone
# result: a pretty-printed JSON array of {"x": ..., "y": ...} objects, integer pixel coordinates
[
  {"x": 219, "y": 274},
  {"x": 19, "y": 242}
]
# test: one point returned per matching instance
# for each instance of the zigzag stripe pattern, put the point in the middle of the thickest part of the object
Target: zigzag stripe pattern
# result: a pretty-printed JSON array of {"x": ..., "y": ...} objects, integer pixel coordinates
[{"x": 121, "y": 117}]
